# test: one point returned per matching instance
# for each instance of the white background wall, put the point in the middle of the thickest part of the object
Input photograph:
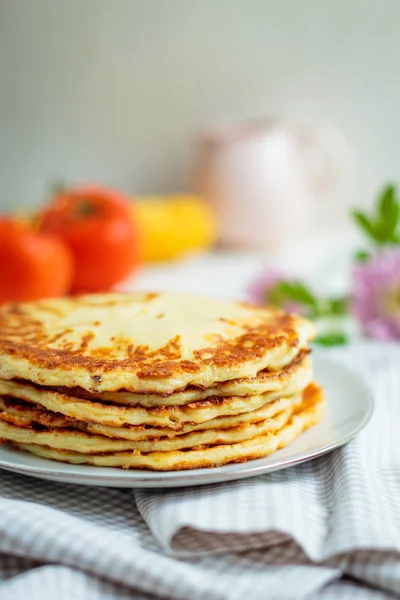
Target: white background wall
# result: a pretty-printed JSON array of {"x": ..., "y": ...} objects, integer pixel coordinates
[{"x": 115, "y": 90}]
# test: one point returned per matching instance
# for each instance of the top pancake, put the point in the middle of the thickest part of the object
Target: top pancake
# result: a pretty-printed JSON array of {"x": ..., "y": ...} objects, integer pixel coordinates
[{"x": 144, "y": 343}]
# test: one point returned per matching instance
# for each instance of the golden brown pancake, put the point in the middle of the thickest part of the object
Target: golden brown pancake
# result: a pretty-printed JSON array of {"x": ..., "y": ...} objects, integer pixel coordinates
[
  {"x": 162, "y": 416},
  {"x": 308, "y": 414},
  {"x": 298, "y": 372},
  {"x": 24, "y": 414},
  {"x": 78, "y": 441},
  {"x": 152, "y": 343},
  {"x": 28, "y": 416},
  {"x": 130, "y": 432}
]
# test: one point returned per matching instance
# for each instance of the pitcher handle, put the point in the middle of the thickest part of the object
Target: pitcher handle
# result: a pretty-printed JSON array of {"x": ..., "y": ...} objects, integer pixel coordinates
[{"x": 327, "y": 157}]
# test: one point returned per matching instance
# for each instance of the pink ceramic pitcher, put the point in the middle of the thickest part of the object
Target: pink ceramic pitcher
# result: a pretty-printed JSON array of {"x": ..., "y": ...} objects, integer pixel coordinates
[{"x": 266, "y": 179}]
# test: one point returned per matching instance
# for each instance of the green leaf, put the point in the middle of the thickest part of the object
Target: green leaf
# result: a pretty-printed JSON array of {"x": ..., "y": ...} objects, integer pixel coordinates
[
  {"x": 387, "y": 227},
  {"x": 395, "y": 238},
  {"x": 338, "y": 306},
  {"x": 393, "y": 218},
  {"x": 386, "y": 201},
  {"x": 297, "y": 292},
  {"x": 362, "y": 256},
  {"x": 366, "y": 225},
  {"x": 383, "y": 225},
  {"x": 332, "y": 338},
  {"x": 388, "y": 215},
  {"x": 276, "y": 296}
]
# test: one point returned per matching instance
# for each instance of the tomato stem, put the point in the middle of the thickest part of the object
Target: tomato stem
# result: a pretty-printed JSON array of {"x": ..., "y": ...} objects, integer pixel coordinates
[
  {"x": 85, "y": 208},
  {"x": 58, "y": 187}
]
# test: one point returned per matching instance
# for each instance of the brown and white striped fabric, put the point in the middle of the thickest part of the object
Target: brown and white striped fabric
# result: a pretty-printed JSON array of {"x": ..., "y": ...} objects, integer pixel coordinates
[{"x": 326, "y": 529}]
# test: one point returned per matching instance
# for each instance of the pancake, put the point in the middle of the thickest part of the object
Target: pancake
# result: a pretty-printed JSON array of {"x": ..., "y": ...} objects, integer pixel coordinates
[
  {"x": 143, "y": 433},
  {"x": 23, "y": 414},
  {"x": 151, "y": 343},
  {"x": 78, "y": 441},
  {"x": 162, "y": 416},
  {"x": 307, "y": 415},
  {"x": 297, "y": 373}
]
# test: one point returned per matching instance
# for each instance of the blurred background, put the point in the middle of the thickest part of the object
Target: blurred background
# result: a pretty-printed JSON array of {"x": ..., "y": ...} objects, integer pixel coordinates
[{"x": 280, "y": 116}]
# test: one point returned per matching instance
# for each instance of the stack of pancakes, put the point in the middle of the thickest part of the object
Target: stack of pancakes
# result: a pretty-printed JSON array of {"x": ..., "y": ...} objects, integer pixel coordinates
[{"x": 154, "y": 381}]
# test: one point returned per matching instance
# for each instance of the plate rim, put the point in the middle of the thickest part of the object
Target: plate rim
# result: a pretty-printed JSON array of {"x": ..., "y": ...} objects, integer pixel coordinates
[{"x": 140, "y": 478}]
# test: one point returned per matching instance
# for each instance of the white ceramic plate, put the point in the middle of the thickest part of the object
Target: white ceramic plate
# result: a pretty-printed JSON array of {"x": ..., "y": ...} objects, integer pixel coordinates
[{"x": 349, "y": 407}]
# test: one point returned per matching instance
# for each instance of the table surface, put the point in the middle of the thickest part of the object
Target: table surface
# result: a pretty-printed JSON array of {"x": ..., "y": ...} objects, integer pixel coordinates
[{"x": 228, "y": 274}]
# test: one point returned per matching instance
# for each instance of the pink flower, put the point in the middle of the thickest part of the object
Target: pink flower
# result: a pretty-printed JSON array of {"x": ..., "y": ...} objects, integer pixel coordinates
[
  {"x": 264, "y": 291},
  {"x": 376, "y": 295}
]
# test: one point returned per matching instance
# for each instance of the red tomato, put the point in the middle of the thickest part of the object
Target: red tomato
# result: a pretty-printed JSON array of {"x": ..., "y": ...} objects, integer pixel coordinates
[
  {"x": 32, "y": 264},
  {"x": 97, "y": 226}
]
